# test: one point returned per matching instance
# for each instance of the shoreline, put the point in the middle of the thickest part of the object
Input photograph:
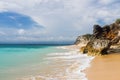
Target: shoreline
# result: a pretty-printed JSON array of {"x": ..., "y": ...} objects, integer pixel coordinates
[
  {"x": 104, "y": 67},
  {"x": 101, "y": 67},
  {"x": 65, "y": 66}
]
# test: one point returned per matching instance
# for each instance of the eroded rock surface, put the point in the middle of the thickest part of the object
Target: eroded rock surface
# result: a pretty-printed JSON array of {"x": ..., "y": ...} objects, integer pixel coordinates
[
  {"x": 83, "y": 40},
  {"x": 101, "y": 40}
]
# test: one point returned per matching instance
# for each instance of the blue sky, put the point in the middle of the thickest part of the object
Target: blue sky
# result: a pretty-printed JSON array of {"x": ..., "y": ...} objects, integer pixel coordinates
[
  {"x": 16, "y": 20},
  {"x": 53, "y": 20}
]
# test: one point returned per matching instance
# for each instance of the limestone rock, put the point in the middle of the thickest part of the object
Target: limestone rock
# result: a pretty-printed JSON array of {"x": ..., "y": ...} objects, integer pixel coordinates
[
  {"x": 83, "y": 40},
  {"x": 101, "y": 40},
  {"x": 106, "y": 32},
  {"x": 96, "y": 47}
]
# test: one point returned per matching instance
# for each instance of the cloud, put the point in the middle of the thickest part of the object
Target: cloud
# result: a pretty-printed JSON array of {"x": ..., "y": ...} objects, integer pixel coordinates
[
  {"x": 2, "y": 33},
  {"x": 66, "y": 18},
  {"x": 21, "y": 31},
  {"x": 105, "y": 1}
]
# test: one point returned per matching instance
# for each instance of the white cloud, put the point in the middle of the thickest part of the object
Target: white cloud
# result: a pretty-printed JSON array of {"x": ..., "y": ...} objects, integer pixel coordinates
[
  {"x": 103, "y": 13},
  {"x": 21, "y": 31},
  {"x": 66, "y": 18},
  {"x": 106, "y": 1}
]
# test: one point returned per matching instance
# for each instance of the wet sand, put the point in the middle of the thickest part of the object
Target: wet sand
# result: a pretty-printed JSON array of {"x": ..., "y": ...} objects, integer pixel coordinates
[{"x": 104, "y": 68}]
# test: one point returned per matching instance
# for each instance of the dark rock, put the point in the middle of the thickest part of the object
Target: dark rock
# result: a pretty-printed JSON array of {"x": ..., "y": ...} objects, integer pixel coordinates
[
  {"x": 97, "y": 30},
  {"x": 106, "y": 30}
]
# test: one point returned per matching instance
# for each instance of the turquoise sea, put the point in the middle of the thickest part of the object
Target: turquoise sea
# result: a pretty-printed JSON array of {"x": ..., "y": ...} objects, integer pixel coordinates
[
  {"x": 17, "y": 61},
  {"x": 42, "y": 62}
]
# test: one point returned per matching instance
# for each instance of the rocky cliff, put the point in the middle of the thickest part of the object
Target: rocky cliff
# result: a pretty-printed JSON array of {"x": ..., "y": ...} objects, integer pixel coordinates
[
  {"x": 102, "y": 39},
  {"x": 83, "y": 40}
]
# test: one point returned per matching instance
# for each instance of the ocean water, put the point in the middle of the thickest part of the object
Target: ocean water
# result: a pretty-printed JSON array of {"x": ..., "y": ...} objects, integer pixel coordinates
[{"x": 41, "y": 62}]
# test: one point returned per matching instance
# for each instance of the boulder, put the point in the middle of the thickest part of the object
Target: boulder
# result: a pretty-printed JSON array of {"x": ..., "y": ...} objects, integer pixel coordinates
[
  {"x": 101, "y": 40},
  {"x": 97, "y": 31},
  {"x": 106, "y": 32},
  {"x": 96, "y": 47},
  {"x": 83, "y": 40},
  {"x": 114, "y": 31}
]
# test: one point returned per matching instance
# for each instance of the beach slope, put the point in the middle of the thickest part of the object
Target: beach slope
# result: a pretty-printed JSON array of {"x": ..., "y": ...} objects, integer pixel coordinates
[{"x": 105, "y": 68}]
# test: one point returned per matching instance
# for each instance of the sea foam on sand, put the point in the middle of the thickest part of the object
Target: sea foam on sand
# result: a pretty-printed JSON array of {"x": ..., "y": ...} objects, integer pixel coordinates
[{"x": 73, "y": 64}]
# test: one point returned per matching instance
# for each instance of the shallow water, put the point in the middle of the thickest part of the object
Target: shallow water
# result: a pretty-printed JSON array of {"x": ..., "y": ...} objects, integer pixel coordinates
[
  {"x": 41, "y": 62},
  {"x": 23, "y": 60}
]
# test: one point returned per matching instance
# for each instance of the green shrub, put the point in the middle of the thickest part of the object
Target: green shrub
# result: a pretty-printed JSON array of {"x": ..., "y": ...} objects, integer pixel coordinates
[{"x": 118, "y": 21}]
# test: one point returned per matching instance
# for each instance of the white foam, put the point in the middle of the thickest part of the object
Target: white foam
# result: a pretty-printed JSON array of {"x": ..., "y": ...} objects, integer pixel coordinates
[
  {"x": 78, "y": 63},
  {"x": 71, "y": 47},
  {"x": 83, "y": 64},
  {"x": 62, "y": 47},
  {"x": 82, "y": 61}
]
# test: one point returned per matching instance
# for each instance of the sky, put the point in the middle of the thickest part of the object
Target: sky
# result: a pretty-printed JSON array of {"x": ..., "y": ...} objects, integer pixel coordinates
[{"x": 24, "y": 21}]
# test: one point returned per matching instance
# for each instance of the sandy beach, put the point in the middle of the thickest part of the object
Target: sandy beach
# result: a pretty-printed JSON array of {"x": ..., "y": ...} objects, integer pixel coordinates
[{"x": 104, "y": 68}]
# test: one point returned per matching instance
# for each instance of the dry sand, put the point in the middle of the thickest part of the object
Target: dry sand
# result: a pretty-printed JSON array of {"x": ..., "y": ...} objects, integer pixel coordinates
[{"x": 105, "y": 68}]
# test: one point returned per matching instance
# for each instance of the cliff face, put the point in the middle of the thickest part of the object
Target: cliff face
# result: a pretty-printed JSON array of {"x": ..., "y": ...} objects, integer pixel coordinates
[
  {"x": 106, "y": 32},
  {"x": 96, "y": 47},
  {"x": 83, "y": 40},
  {"x": 101, "y": 40}
]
